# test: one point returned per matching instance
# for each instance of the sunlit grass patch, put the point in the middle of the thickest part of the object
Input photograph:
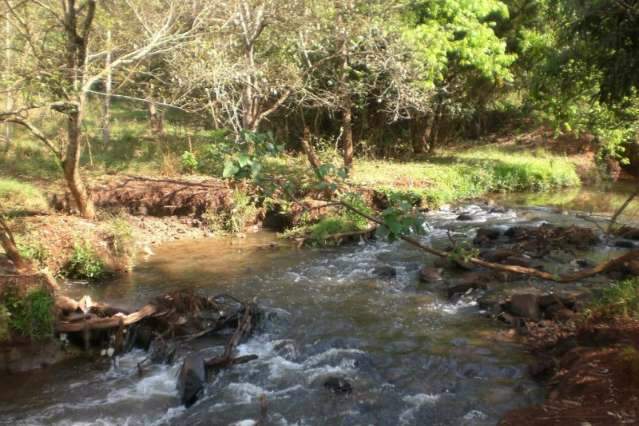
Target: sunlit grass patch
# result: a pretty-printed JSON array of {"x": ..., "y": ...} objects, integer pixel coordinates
[{"x": 18, "y": 196}]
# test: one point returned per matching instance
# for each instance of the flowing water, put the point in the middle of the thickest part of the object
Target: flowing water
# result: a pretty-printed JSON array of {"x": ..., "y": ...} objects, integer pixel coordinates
[{"x": 411, "y": 356}]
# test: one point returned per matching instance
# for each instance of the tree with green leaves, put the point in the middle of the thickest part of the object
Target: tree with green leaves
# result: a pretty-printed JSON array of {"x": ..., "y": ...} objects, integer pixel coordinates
[{"x": 63, "y": 62}]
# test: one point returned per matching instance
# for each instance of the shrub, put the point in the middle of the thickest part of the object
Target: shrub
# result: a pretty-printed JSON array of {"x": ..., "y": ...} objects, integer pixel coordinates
[
  {"x": 121, "y": 235},
  {"x": 84, "y": 263},
  {"x": 235, "y": 220},
  {"x": 29, "y": 316},
  {"x": 621, "y": 298},
  {"x": 188, "y": 161},
  {"x": 34, "y": 251},
  {"x": 4, "y": 323}
]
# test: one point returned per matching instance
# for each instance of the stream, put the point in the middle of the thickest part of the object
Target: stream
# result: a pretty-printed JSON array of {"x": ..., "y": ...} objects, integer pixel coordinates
[{"x": 411, "y": 356}]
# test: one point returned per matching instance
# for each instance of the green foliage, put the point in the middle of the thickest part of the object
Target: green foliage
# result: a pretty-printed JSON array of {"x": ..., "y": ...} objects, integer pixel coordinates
[
  {"x": 121, "y": 237},
  {"x": 462, "y": 253},
  {"x": 84, "y": 263},
  {"x": 188, "y": 161},
  {"x": 235, "y": 220},
  {"x": 330, "y": 226},
  {"x": 16, "y": 196},
  {"x": 34, "y": 251},
  {"x": 621, "y": 298},
  {"x": 247, "y": 163},
  {"x": 400, "y": 220},
  {"x": 29, "y": 316},
  {"x": 5, "y": 317}
]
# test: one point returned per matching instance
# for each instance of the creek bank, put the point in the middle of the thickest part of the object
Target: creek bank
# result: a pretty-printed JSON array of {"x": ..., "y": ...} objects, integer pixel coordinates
[{"x": 591, "y": 371}]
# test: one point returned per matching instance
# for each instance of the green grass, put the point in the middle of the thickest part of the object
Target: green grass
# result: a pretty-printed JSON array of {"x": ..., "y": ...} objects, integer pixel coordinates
[
  {"x": 453, "y": 176},
  {"x": 18, "y": 196},
  {"x": 620, "y": 299}
]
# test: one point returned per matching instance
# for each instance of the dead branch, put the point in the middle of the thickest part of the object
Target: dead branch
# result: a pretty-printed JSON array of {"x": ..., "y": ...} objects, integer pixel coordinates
[
  {"x": 243, "y": 329},
  {"x": 621, "y": 209}
]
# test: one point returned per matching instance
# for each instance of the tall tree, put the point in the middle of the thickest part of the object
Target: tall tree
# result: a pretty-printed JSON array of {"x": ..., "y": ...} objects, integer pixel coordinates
[{"x": 63, "y": 82}]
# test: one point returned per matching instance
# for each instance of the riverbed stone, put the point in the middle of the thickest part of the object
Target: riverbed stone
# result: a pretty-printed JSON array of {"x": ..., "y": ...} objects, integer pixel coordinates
[
  {"x": 525, "y": 305},
  {"x": 486, "y": 236},
  {"x": 385, "y": 272},
  {"x": 338, "y": 385},
  {"x": 498, "y": 255},
  {"x": 625, "y": 244},
  {"x": 191, "y": 379},
  {"x": 429, "y": 274},
  {"x": 465, "y": 217}
]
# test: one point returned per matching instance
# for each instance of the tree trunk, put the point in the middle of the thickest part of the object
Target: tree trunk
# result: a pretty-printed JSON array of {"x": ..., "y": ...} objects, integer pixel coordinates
[
  {"x": 7, "y": 70},
  {"x": 106, "y": 118},
  {"x": 347, "y": 122},
  {"x": 71, "y": 166},
  {"x": 309, "y": 151},
  {"x": 434, "y": 129},
  {"x": 156, "y": 119},
  {"x": 9, "y": 245}
]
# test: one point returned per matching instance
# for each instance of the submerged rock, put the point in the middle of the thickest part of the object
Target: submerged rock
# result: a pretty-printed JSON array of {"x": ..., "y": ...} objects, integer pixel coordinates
[
  {"x": 385, "y": 272},
  {"x": 191, "y": 379},
  {"x": 465, "y": 217},
  {"x": 486, "y": 236},
  {"x": 338, "y": 385},
  {"x": 525, "y": 305},
  {"x": 625, "y": 244},
  {"x": 428, "y": 274}
]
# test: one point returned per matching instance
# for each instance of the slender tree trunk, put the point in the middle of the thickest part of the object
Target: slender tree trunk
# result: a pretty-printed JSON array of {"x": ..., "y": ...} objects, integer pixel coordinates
[
  {"x": 76, "y": 56},
  {"x": 7, "y": 71},
  {"x": 309, "y": 151},
  {"x": 106, "y": 119},
  {"x": 434, "y": 129},
  {"x": 347, "y": 122},
  {"x": 71, "y": 165},
  {"x": 156, "y": 119},
  {"x": 10, "y": 248}
]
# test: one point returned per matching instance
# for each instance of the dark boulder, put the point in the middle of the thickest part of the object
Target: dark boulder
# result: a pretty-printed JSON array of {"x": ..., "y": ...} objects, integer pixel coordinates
[
  {"x": 629, "y": 233},
  {"x": 625, "y": 244},
  {"x": 192, "y": 379},
  {"x": 338, "y": 385},
  {"x": 385, "y": 272},
  {"x": 465, "y": 217},
  {"x": 525, "y": 305},
  {"x": 548, "y": 300},
  {"x": 486, "y": 236},
  {"x": 498, "y": 255},
  {"x": 429, "y": 274}
]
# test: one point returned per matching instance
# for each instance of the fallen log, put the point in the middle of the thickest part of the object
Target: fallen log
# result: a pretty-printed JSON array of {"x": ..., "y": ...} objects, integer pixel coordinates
[{"x": 114, "y": 321}]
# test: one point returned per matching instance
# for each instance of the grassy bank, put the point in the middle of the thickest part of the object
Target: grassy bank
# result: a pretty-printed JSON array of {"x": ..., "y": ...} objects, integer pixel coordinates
[{"x": 452, "y": 176}]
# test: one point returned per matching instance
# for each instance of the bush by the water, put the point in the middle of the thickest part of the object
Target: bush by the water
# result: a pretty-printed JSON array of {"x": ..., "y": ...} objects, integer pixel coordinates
[
  {"x": 621, "y": 298},
  {"x": 84, "y": 263},
  {"x": 30, "y": 316}
]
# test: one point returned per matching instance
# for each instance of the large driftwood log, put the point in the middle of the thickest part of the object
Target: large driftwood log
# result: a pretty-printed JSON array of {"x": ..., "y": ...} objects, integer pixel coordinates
[{"x": 114, "y": 321}]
